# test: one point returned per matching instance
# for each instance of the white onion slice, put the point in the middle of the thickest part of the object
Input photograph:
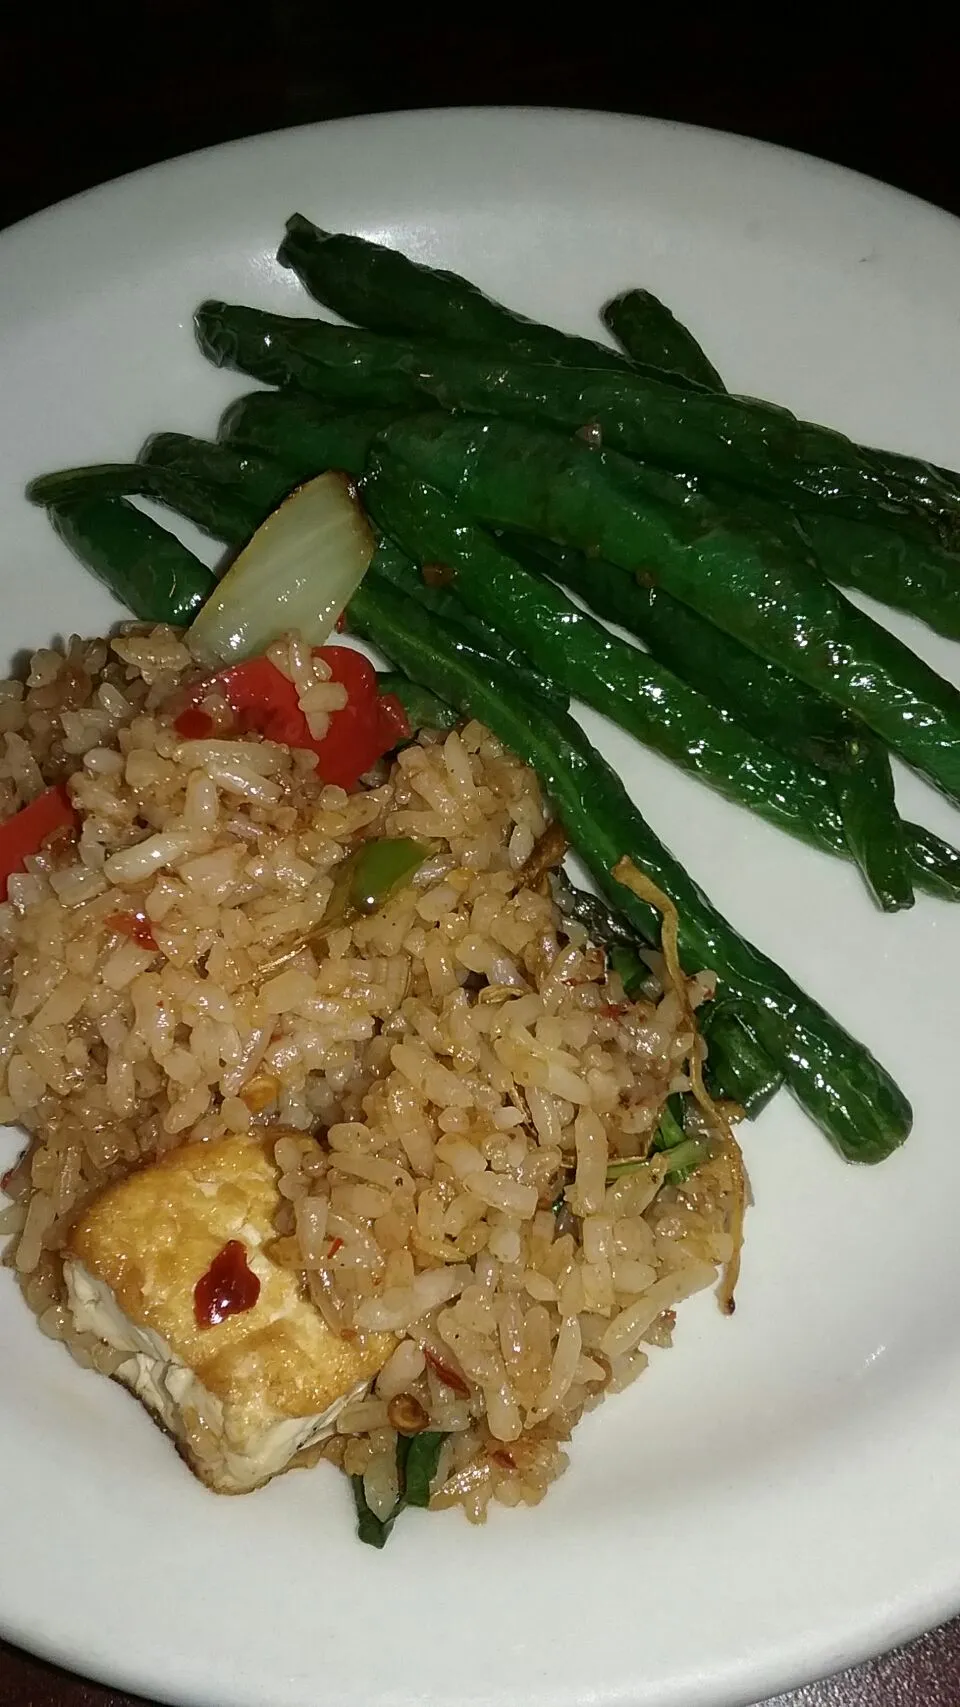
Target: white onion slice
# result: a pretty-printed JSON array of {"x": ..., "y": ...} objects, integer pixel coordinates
[{"x": 298, "y": 572}]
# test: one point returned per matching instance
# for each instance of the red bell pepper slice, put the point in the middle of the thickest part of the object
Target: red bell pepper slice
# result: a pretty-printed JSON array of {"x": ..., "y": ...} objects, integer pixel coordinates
[
  {"x": 28, "y": 829},
  {"x": 361, "y": 733},
  {"x": 264, "y": 700},
  {"x": 394, "y": 722},
  {"x": 194, "y": 724}
]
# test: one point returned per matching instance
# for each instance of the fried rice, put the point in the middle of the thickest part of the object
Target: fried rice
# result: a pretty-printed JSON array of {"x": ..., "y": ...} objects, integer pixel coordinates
[{"x": 449, "y": 1082}]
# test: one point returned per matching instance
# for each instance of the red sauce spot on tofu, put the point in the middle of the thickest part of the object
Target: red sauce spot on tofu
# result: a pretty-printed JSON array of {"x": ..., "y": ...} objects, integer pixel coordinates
[
  {"x": 134, "y": 925},
  {"x": 228, "y": 1287}
]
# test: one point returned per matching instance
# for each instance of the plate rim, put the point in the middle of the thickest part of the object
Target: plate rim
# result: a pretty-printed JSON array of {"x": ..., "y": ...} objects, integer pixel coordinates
[{"x": 397, "y": 116}]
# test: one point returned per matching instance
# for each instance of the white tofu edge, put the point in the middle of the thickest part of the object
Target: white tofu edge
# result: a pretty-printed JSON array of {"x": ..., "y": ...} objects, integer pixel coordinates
[{"x": 167, "y": 1385}]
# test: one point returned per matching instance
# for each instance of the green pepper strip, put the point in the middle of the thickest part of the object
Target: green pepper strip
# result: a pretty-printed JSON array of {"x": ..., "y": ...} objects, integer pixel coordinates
[{"x": 383, "y": 867}]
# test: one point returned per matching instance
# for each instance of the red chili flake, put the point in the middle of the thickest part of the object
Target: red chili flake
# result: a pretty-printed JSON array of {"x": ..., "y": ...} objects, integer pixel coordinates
[
  {"x": 61, "y": 845},
  {"x": 228, "y": 1287},
  {"x": 336, "y": 1246},
  {"x": 614, "y": 1010},
  {"x": 448, "y": 1376},
  {"x": 194, "y": 724},
  {"x": 134, "y": 925},
  {"x": 504, "y": 1459},
  {"x": 437, "y": 575},
  {"x": 7, "y": 1177}
]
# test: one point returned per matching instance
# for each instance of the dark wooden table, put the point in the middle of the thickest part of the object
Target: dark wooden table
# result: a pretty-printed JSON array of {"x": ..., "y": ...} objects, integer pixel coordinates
[
  {"x": 924, "y": 1675},
  {"x": 194, "y": 75}
]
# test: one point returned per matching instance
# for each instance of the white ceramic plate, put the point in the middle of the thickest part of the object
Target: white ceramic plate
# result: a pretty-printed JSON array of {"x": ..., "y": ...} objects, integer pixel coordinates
[{"x": 780, "y": 1494}]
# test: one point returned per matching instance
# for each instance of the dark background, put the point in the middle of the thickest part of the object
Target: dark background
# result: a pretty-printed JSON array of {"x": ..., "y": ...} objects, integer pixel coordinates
[{"x": 88, "y": 92}]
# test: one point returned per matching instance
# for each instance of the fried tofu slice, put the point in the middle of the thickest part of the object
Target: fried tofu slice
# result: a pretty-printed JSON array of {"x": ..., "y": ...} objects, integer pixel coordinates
[{"x": 241, "y": 1397}]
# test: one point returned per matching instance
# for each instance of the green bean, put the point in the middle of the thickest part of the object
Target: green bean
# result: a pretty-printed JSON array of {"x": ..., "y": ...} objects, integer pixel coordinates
[
  {"x": 424, "y": 710},
  {"x": 397, "y": 568},
  {"x": 779, "y": 709},
  {"x": 728, "y": 568},
  {"x": 182, "y": 465},
  {"x": 218, "y": 515},
  {"x": 287, "y": 352},
  {"x": 920, "y": 578},
  {"x": 737, "y": 1069},
  {"x": 873, "y": 830},
  {"x": 603, "y": 924},
  {"x": 301, "y": 433},
  {"x": 141, "y": 564},
  {"x": 734, "y": 439},
  {"x": 935, "y": 863},
  {"x": 916, "y": 574},
  {"x": 651, "y": 335},
  {"x": 381, "y": 288},
  {"x": 88, "y": 484},
  {"x": 574, "y": 651}
]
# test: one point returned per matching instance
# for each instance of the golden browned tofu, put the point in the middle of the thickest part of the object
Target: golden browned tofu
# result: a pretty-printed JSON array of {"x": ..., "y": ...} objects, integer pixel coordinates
[{"x": 242, "y": 1396}]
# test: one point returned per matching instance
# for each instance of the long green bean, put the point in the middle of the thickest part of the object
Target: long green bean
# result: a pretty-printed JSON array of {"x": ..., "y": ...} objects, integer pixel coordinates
[
  {"x": 922, "y": 579},
  {"x": 731, "y": 571},
  {"x": 734, "y": 439},
  {"x": 383, "y": 289},
  {"x": 781, "y": 710},
  {"x": 640, "y": 322},
  {"x": 141, "y": 564},
  {"x": 573, "y": 650}
]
